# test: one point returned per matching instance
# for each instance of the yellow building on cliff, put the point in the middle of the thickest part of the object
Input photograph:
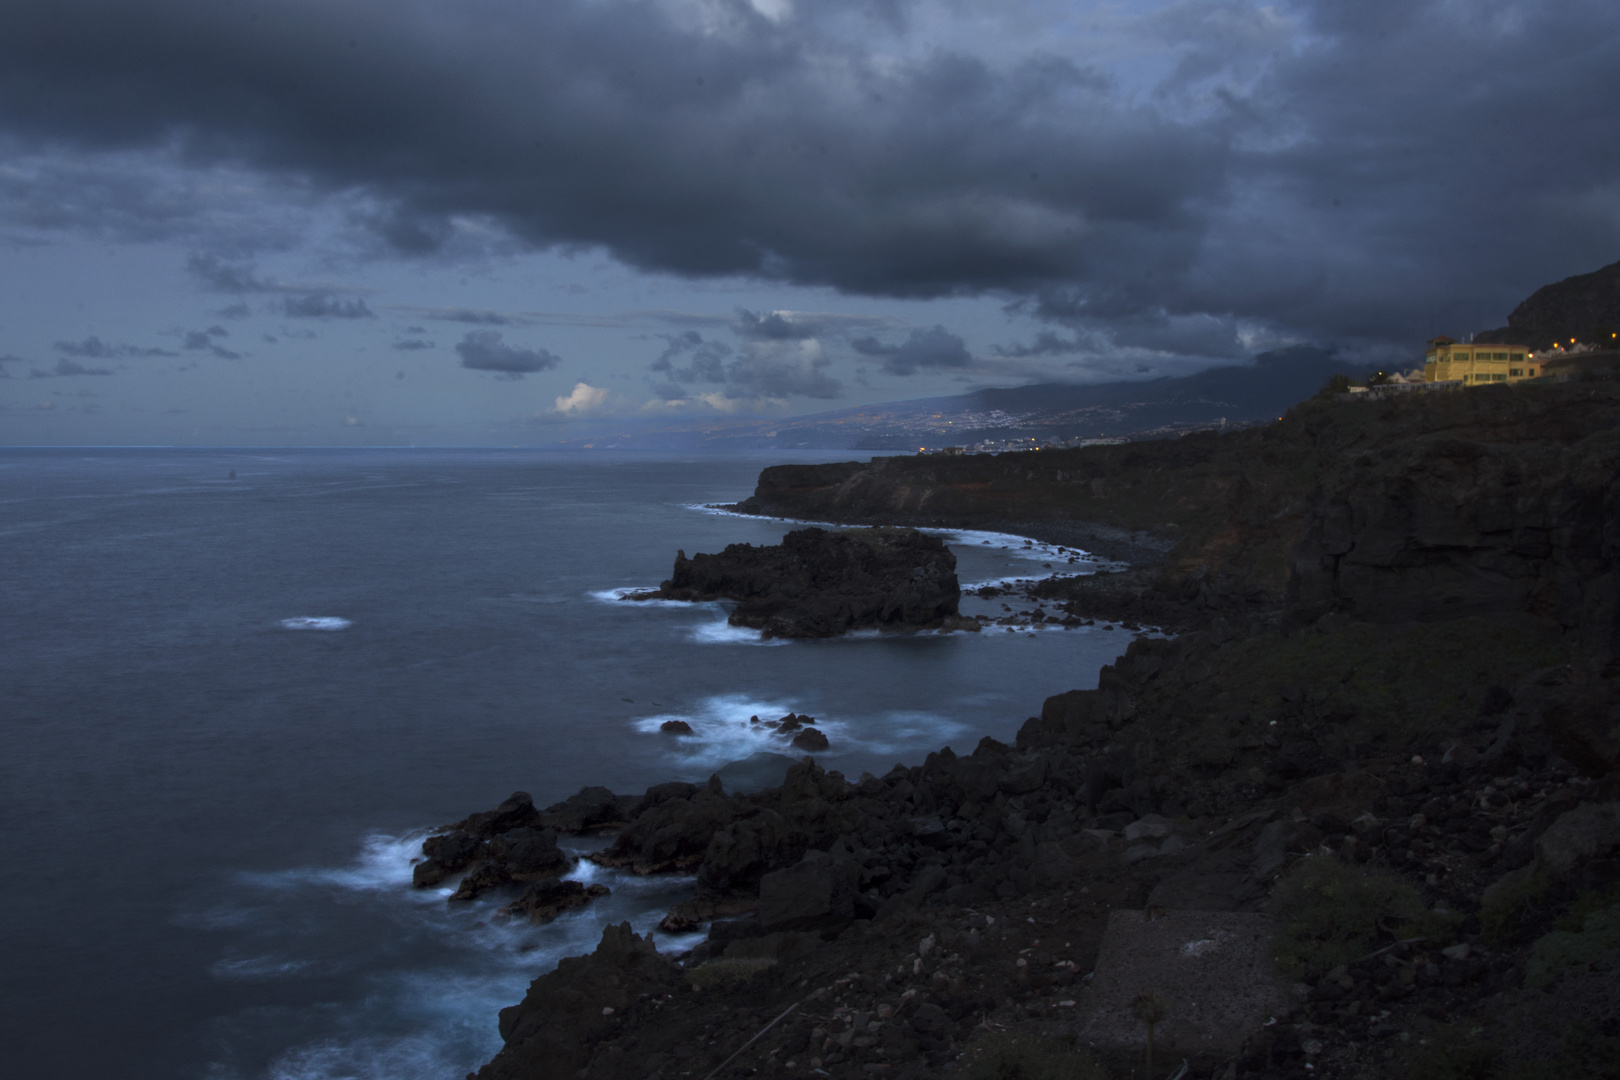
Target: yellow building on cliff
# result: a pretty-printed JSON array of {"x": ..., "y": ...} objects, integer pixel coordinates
[{"x": 1473, "y": 365}]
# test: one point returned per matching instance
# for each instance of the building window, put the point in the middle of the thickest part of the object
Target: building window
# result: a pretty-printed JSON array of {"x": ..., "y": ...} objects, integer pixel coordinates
[
  {"x": 1516, "y": 372},
  {"x": 1532, "y": 373}
]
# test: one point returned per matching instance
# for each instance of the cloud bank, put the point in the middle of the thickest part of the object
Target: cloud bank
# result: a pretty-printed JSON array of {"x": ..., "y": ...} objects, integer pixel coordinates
[{"x": 1194, "y": 178}]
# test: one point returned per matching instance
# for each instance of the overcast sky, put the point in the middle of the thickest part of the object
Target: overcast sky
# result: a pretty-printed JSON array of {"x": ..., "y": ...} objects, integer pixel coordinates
[{"x": 497, "y": 222}]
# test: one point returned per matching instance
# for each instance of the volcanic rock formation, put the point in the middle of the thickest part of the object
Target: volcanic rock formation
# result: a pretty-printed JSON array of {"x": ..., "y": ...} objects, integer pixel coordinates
[{"x": 820, "y": 582}]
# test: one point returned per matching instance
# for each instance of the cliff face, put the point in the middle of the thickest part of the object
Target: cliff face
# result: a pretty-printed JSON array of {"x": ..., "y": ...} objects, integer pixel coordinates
[
  {"x": 1503, "y": 499},
  {"x": 1585, "y": 307},
  {"x": 1444, "y": 525}
]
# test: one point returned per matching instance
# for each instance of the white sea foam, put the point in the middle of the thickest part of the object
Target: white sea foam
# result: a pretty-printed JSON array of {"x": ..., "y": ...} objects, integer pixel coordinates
[
  {"x": 622, "y": 596},
  {"x": 721, "y": 731},
  {"x": 410, "y": 1057},
  {"x": 432, "y": 1021},
  {"x": 259, "y": 968},
  {"x": 722, "y": 632},
  {"x": 316, "y": 622},
  {"x": 384, "y": 863}
]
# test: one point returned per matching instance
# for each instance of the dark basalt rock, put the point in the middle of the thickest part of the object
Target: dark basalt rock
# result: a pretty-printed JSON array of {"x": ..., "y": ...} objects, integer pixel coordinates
[
  {"x": 543, "y": 901},
  {"x": 676, "y": 727},
  {"x": 517, "y": 811},
  {"x": 566, "y": 1012},
  {"x": 820, "y": 583},
  {"x": 529, "y": 853},
  {"x": 810, "y": 740},
  {"x": 445, "y": 854},
  {"x": 587, "y": 809},
  {"x": 509, "y": 841}
]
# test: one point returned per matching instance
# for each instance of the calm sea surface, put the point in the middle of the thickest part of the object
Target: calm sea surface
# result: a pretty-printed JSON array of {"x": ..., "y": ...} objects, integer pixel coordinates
[{"x": 231, "y": 705}]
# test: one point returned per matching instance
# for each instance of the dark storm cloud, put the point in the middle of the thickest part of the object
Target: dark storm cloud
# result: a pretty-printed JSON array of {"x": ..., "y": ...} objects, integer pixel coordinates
[
  {"x": 318, "y": 305},
  {"x": 483, "y": 350},
  {"x": 1357, "y": 171},
  {"x": 412, "y": 345},
  {"x": 923, "y": 350},
  {"x": 702, "y": 361},
  {"x": 764, "y": 370},
  {"x": 66, "y": 368},
  {"x": 774, "y": 326},
  {"x": 93, "y": 348}
]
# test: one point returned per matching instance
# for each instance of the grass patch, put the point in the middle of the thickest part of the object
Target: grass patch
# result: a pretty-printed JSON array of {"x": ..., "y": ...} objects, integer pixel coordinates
[
  {"x": 1020, "y": 1056},
  {"x": 1554, "y": 953},
  {"x": 1332, "y": 914},
  {"x": 729, "y": 971},
  {"x": 1452, "y": 1052}
]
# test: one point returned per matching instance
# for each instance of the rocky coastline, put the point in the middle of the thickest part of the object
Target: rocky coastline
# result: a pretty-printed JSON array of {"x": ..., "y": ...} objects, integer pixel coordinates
[{"x": 1359, "y": 818}]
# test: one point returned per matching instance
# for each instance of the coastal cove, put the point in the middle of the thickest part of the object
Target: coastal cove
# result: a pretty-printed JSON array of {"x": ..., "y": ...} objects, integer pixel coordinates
[{"x": 243, "y": 684}]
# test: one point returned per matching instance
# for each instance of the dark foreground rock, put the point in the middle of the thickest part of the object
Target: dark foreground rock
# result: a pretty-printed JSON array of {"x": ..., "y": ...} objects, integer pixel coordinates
[{"x": 820, "y": 583}]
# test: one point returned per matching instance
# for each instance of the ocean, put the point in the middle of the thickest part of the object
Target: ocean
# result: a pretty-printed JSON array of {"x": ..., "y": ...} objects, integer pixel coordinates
[{"x": 238, "y": 686}]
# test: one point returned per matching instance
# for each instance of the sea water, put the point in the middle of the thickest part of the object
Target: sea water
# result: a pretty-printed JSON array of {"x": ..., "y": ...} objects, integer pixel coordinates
[{"x": 237, "y": 687}]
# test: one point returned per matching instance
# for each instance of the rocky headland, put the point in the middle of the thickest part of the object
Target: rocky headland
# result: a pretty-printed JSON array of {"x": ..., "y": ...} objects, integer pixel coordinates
[
  {"x": 825, "y": 582},
  {"x": 1359, "y": 818}
]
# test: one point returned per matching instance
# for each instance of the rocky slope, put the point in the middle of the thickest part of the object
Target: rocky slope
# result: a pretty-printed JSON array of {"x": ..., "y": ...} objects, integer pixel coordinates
[
  {"x": 1389, "y": 732},
  {"x": 820, "y": 583}
]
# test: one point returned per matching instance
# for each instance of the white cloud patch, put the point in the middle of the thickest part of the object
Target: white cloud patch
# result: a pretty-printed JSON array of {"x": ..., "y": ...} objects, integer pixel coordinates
[{"x": 583, "y": 399}]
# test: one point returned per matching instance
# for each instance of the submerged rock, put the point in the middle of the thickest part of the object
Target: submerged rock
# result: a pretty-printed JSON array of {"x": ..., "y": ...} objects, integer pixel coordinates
[
  {"x": 821, "y": 583},
  {"x": 543, "y": 901}
]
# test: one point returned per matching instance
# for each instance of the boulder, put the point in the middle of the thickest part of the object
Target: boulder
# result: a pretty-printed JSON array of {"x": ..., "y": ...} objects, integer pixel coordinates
[
  {"x": 810, "y": 740},
  {"x": 675, "y": 727},
  {"x": 820, "y": 582},
  {"x": 1590, "y": 831},
  {"x": 755, "y": 772},
  {"x": 816, "y": 893},
  {"x": 518, "y": 810}
]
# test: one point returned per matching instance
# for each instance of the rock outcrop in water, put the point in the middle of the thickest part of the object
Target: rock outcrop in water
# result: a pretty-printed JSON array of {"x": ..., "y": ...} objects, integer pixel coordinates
[{"x": 821, "y": 583}]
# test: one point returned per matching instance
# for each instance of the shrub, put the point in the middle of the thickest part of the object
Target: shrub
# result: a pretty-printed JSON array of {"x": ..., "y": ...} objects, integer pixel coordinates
[
  {"x": 1447, "y": 1052},
  {"x": 728, "y": 971},
  {"x": 1331, "y": 914},
  {"x": 1010, "y": 1056},
  {"x": 1506, "y": 901},
  {"x": 1561, "y": 949}
]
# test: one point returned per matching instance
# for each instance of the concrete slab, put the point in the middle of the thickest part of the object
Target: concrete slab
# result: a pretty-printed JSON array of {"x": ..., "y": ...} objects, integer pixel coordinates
[{"x": 1213, "y": 971}]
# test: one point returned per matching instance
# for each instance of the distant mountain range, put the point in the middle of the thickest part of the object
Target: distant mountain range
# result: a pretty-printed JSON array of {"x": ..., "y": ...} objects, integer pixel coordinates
[{"x": 1238, "y": 394}]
